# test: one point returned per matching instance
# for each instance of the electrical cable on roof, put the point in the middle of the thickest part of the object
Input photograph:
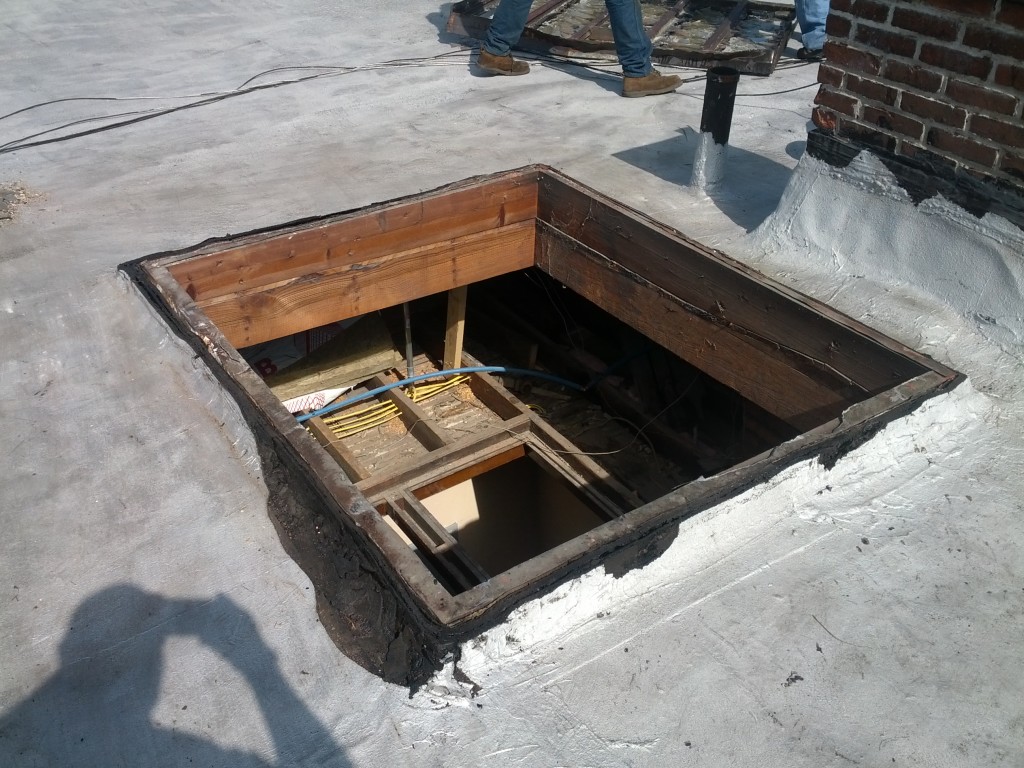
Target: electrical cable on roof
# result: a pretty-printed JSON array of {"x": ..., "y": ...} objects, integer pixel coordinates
[{"x": 205, "y": 99}]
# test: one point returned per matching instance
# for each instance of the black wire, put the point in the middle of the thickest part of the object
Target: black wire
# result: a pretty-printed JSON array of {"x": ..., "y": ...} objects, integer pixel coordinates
[
  {"x": 24, "y": 143},
  {"x": 776, "y": 93},
  {"x": 244, "y": 89}
]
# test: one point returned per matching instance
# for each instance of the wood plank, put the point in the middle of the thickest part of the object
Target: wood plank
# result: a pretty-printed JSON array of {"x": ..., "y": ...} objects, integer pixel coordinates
[
  {"x": 573, "y": 364},
  {"x": 584, "y": 32},
  {"x": 456, "y": 326},
  {"x": 622, "y": 498},
  {"x": 421, "y": 536},
  {"x": 467, "y": 450},
  {"x": 726, "y": 292},
  {"x": 360, "y": 236},
  {"x": 768, "y": 381},
  {"x": 354, "y": 355},
  {"x": 448, "y": 546},
  {"x": 547, "y": 9},
  {"x": 493, "y": 461},
  {"x": 250, "y": 317},
  {"x": 504, "y": 404},
  {"x": 668, "y": 17},
  {"x": 722, "y": 35},
  {"x": 337, "y": 449},
  {"x": 416, "y": 420},
  {"x": 614, "y": 497}
]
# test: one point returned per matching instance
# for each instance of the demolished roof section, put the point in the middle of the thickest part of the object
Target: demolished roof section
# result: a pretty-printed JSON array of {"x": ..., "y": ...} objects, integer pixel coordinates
[{"x": 696, "y": 33}]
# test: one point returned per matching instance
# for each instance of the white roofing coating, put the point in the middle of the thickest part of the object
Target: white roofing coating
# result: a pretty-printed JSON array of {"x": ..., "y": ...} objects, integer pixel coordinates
[{"x": 871, "y": 614}]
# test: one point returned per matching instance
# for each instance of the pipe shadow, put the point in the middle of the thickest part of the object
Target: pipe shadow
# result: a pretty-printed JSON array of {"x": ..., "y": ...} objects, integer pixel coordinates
[
  {"x": 749, "y": 192},
  {"x": 97, "y": 708}
]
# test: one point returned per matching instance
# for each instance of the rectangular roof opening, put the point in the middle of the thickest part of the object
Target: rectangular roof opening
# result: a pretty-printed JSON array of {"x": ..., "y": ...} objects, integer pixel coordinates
[{"x": 615, "y": 377}]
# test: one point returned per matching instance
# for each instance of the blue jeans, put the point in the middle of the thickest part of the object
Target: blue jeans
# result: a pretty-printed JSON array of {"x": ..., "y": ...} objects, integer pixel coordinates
[
  {"x": 812, "y": 14},
  {"x": 632, "y": 45}
]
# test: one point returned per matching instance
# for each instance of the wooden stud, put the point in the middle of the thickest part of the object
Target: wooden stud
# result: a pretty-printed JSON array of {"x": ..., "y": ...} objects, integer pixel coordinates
[{"x": 456, "y": 325}]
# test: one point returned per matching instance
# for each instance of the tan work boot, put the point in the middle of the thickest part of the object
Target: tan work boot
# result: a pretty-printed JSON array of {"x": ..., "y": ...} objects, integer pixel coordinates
[
  {"x": 650, "y": 85},
  {"x": 501, "y": 65}
]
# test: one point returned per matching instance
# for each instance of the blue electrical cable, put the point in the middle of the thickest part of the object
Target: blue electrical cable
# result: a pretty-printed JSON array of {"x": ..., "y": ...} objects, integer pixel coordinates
[{"x": 423, "y": 376}]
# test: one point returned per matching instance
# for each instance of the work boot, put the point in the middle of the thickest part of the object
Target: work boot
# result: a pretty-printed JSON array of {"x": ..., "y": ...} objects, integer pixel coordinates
[
  {"x": 501, "y": 65},
  {"x": 650, "y": 85}
]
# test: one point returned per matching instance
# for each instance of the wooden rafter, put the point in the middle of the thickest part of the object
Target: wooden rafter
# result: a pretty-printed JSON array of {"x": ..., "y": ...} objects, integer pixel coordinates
[
  {"x": 722, "y": 34},
  {"x": 547, "y": 9},
  {"x": 668, "y": 17}
]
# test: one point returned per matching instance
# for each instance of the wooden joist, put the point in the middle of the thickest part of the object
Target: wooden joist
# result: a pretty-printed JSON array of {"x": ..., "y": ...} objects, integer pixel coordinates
[
  {"x": 358, "y": 237},
  {"x": 723, "y": 33},
  {"x": 435, "y": 542},
  {"x": 668, "y": 17},
  {"x": 726, "y": 292},
  {"x": 549, "y": 8},
  {"x": 268, "y": 312},
  {"x": 621, "y": 498},
  {"x": 463, "y": 452},
  {"x": 337, "y": 449},
  {"x": 760, "y": 377}
]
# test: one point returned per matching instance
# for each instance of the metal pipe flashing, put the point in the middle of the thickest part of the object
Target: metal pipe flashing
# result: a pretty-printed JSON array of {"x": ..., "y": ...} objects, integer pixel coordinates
[{"x": 715, "y": 123}]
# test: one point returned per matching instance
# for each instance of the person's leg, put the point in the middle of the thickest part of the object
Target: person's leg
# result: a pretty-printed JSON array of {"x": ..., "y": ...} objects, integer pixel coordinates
[
  {"x": 812, "y": 15},
  {"x": 632, "y": 45},
  {"x": 506, "y": 26}
]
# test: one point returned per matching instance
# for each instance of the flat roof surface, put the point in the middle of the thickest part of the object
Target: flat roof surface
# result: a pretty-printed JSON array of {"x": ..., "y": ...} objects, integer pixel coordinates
[{"x": 871, "y": 613}]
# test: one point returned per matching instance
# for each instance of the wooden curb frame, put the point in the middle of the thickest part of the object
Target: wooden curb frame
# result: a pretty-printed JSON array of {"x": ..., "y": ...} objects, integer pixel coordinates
[{"x": 835, "y": 379}]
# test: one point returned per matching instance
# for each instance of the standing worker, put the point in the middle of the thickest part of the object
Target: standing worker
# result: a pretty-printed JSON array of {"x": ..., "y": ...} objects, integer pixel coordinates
[
  {"x": 812, "y": 15},
  {"x": 632, "y": 46}
]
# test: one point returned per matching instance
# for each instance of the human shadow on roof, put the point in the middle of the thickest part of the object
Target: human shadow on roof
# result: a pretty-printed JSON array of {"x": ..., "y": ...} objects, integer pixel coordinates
[
  {"x": 749, "y": 191},
  {"x": 96, "y": 710}
]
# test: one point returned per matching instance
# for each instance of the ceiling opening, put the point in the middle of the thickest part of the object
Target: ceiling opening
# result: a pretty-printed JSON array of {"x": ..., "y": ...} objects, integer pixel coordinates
[{"x": 612, "y": 377}]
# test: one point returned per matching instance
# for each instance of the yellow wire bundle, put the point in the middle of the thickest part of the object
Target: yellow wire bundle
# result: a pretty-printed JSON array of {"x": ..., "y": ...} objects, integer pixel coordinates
[{"x": 353, "y": 422}]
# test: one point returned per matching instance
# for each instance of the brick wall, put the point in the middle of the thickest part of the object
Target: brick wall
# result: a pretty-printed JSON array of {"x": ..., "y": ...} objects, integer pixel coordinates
[{"x": 936, "y": 79}]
